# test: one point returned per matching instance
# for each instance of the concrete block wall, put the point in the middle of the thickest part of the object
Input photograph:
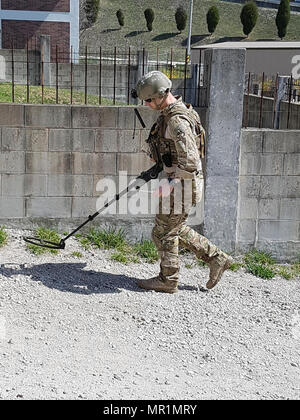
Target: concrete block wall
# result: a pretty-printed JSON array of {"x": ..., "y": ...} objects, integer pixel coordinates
[
  {"x": 52, "y": 158},
  {"x": 269, "y": 192},
  {"x": 268, "y": 113}
]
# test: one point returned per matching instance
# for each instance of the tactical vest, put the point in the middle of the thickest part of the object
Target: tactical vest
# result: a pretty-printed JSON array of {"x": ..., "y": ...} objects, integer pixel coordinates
[{"x": 167, "y": 146}]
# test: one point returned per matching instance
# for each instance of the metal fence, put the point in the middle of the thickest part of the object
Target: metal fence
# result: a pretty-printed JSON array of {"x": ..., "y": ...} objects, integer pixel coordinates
[
  {"x": 91, "y": 76},
  {"x": 271, "y": 101}
]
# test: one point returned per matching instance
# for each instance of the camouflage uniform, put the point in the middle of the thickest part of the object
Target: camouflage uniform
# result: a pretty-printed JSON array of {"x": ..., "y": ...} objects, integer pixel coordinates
[
  {"x": 170, "y": 230},
  {"x": 175, "y": 131}
]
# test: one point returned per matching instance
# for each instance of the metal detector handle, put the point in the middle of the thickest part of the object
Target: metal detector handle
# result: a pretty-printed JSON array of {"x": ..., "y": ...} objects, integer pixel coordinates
[{"x": 139, "y": 117}]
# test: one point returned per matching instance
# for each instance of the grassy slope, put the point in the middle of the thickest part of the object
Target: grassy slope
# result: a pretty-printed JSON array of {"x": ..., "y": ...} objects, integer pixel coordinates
[{"x": 164, "y": 36}]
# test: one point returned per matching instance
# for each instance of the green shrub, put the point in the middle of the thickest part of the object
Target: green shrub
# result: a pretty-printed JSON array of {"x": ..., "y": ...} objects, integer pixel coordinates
[
  {"x": 3, "y": 237},
  {"x": 149, "y": 16},
  {"x": 91, "y": 9},
  {"x": 120, "y": 17},
  {"x": 283, "y": 18},
  {"x": 212, "y": 19},
  {"x": 249, "y": 15},
  {"x": 180, "y": 18}
]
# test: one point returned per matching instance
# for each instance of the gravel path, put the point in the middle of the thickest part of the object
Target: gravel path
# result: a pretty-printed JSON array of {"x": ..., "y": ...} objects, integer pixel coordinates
[{"x": 79, "y": 328}]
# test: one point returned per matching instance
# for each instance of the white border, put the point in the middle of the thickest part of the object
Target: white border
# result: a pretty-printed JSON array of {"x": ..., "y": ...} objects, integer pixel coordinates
[{"x": 71, "y": 17}]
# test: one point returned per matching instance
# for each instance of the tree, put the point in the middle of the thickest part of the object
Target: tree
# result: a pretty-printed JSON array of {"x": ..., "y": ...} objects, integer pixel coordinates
[
  {"x": 249, "y": 15},
  {"x": 283, "y": 18},
  {"x": 180, "y": 18},
  {"x": 149, "y": 16},
  {"x": 120, "y": 16},
  {"x": 91, "y": 9},
  {"x": 212, "y": 19}
]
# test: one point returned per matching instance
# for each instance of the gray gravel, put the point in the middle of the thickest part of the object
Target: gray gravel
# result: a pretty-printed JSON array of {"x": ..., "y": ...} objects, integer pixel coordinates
[{"x": 79, "y": 328}]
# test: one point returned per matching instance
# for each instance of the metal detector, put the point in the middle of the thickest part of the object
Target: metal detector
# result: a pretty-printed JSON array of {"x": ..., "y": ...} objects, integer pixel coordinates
[{"x": 145, "y": 176}]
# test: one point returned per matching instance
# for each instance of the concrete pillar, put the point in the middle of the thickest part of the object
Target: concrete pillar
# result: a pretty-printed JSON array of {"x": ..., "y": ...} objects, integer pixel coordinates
[
  {"x": 225, "y": 69},
  {"x": 283, "y": 82},
  {"x": 45, "y": 41}
]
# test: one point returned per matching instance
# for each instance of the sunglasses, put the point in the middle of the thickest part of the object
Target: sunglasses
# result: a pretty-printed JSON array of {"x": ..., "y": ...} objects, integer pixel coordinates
[{"x": 148, "y": 100}]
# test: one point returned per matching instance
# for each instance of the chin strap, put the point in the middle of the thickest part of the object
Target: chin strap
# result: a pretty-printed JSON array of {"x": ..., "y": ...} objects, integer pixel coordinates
[{"x": 158, "y": 107}]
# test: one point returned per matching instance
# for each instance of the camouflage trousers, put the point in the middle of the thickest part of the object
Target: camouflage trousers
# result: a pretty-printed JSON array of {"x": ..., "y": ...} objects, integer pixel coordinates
[{"x": 170, "y": 231}]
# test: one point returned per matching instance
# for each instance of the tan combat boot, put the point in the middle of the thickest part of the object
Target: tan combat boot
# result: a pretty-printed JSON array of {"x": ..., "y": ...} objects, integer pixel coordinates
[
  {"x": 156, "y": 283},
  {"x": 218, "y": 265}
]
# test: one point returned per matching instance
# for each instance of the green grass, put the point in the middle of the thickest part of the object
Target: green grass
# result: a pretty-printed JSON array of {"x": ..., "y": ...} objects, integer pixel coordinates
[
  {"x": 107, "y": 239},
  {"x": 46, "y": 235},
  {"x": 35, "y": 96},
  {"x": 3, "y": 236},
  {"x": 188, "y": 266},
  {"x": 201, "y": 263},
  {"x": 235, "y": 266},
  {"x": 115, "y": 239},
  {"x": 147, "y": 250},
  {"x": 259, "y": 257},
  {"x": 296, "y": 269},
  {"x": 260, "y": 270},
  {"x": 124, "y": 258},
  {"x": 285, "y": 272},
  {"x": 107, "y": 33},
  {"x": 77, "y": 254}
]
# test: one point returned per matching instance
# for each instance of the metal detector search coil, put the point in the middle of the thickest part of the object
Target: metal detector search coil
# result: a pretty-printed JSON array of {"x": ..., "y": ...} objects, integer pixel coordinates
[{"x": 45, "y": 244}]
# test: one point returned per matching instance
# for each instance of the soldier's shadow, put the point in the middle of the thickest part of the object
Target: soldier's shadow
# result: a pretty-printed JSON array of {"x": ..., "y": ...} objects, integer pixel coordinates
[{"x": 74, "y": 278}]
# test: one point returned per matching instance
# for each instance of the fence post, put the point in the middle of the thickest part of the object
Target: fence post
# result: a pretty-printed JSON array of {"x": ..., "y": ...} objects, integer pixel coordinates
[
  {"x": 142, "y": 67},
  {"x": 223, "y": 126},
  {"x": 282, "y": 89},
  {"x": 45, "y": 42},
  {"x": 142, "y": 63}
]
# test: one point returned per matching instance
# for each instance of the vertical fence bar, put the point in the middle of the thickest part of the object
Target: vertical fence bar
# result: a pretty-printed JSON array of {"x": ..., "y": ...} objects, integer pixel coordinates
[
  {"x": 56, "y": 73},
  {"x": 27, "y": 59},
  {"x": 185, "y": 72},
  {"x": 42, "y": 72},
  {"x": 128, "y": 79},
  {"x": 157, "y": 60},
  {"x": 247, "y": 102},
  {"x": 171, "y": 65},
  {"x": 85, "y": 75},
  {"x": 289, "y": 105},
  {"x": 275, "y": 99},
  {"x": 199, "y": 76},
  {"x": 143, "y": 61},
  {"x": 100, "y": 74},
  {"x": 115, "y": 72},
  {"x": 261, "y": 100},
  {"x": 71, "y": 76},
  {"x": 12, "y": 73}
]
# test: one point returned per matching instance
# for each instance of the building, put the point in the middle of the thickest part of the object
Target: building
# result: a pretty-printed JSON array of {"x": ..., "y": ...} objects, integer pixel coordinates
[
  {"x": 22, "y": 21},
  {"x": 270, "y": 57}
]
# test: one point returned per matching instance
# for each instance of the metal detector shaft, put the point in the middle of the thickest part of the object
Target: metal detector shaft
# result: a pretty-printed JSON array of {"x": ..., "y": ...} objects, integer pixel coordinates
[{"x": 146, "y": 176}]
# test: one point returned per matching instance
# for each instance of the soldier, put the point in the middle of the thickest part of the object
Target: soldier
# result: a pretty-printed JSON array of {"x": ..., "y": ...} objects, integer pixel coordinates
[{"x": 176, "y": 131}]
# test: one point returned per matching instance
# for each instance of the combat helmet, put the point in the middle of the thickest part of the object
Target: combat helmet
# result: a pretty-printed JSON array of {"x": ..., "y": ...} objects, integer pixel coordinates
[{"x": 153, "y": 85}]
